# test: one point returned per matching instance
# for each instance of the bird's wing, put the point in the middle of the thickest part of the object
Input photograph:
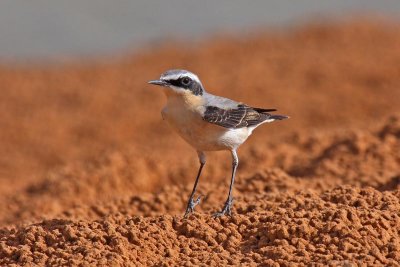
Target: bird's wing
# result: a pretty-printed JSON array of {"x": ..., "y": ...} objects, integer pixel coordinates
[
  {"x": 231, "y": 114},
  {"x": 236, "y": 117}
]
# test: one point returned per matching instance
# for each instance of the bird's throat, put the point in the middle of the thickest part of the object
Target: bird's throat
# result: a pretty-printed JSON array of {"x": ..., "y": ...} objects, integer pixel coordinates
[{"x": 186, "y": 98}]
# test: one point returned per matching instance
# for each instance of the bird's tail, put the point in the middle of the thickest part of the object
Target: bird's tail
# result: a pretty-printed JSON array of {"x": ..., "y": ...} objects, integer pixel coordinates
[{"x": 270, "y": 116}]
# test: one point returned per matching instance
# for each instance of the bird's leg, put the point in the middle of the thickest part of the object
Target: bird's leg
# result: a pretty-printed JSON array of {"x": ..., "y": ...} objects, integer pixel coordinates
[
  {"x": 193, "y": 203},
  {"x": 228, "y": 204}
]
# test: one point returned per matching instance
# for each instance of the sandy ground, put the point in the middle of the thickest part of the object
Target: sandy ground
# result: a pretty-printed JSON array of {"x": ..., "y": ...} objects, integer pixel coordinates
[{"x": 91, "y": 175}]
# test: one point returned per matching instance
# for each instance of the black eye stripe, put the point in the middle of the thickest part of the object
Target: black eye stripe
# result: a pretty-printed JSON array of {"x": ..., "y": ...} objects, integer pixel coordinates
[
  {"x": 193, "y": 86},
  {"x": 181, "y": 82},
  {"x": 174, "y": 82}
]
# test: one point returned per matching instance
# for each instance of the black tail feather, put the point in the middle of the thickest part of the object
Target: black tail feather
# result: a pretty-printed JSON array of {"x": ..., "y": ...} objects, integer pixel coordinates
[
  {"x": 268, "y": 116},
  {"x": 264, "y": 110}
]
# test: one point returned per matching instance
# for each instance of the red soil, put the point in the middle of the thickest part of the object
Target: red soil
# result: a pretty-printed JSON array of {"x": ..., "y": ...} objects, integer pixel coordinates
[{"x": 91, "y": 175}]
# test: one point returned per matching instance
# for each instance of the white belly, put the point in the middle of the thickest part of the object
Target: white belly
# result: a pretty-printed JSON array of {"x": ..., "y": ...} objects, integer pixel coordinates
[{"x": 202, "y": 135}]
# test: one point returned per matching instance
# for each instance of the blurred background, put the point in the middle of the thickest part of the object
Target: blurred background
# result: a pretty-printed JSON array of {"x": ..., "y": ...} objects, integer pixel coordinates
[
  {"x": 65, "y": 29},
  {"x": 76, "y": 112}
]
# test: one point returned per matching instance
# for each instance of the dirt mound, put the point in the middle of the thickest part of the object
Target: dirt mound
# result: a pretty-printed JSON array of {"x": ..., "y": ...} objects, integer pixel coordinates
[
  {"x": 278, "y": 217},
  {"x": 318, "y": 163},
  {"x": 81, "y": 184},
  {"x": 339, "y": 226}
]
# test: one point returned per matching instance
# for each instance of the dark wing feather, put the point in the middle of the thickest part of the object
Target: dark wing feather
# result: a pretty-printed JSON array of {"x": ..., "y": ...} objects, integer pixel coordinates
[{"x": 241, "y": 116}]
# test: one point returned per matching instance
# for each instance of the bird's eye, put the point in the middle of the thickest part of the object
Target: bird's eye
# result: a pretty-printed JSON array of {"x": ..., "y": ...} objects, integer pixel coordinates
[{"x": 186, "y": 81}]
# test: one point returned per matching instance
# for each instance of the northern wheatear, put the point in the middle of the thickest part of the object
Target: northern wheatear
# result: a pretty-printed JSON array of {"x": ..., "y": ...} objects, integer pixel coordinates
[{"x": 208, "y": 122}]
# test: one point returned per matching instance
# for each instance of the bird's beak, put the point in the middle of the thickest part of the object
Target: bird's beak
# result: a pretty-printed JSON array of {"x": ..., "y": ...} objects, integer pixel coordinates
[{"x": 158, "y": 82}]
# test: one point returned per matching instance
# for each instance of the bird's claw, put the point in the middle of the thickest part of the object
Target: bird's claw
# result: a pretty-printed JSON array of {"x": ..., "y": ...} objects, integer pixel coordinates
[
  {"x": 191, "y": 204},
  {"x": 226, "y": 210}
]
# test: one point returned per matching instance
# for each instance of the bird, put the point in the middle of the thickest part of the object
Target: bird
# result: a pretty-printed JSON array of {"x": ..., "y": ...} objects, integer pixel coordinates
[{"x": 208, "y": 123}]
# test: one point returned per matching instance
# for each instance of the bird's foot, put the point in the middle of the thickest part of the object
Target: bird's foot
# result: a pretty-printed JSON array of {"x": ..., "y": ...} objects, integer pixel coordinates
[
  {"x": 190, "y": 206},
  {"x": 226, "y": 210}
]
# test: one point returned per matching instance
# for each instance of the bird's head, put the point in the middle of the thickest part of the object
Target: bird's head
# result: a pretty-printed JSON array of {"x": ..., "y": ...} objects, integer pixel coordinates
[{"x": 181, "y": 82}]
